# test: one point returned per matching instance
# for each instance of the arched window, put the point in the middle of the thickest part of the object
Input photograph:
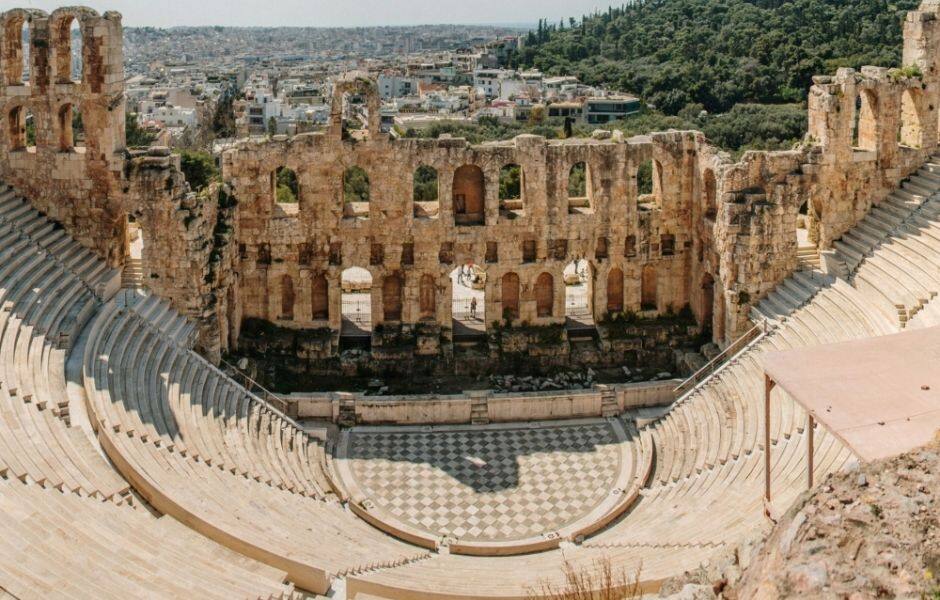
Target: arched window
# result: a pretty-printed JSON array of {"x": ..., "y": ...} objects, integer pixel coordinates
[
  {"x": 319, "y": 298},
  {"x": 287, "y": 297},
  {"x": 629, "y": 246},
  {"x": 356, "y": 193},
  {"x": 426, "y": 188},
  {"x": 510, "y": 296},
  {"x": 510, "y": 191},
  {"x": 649, "y": 179},
  {"x": 667, "y": 244},
  {"x": 648, "y": 292},
  {"x": 286, "y": 186},
  {"x": 544, "y": 295},
  {"x": 644, "y": 179},
  {"x": 16, "y": 125},
  {"x": 427, "y": 303},
  {"x": 579, "y": 188},
  {"x": 425, "y": 184},
  {"x": 66, "y": 133},
  {"x": 67, "y": 44},
  {"x": 391, "y": 297},
  {"x": 615, "y": 291},
  {"x": 911, "y": 133},
  {"x": 711, "y": 193},
  {"x": 469, "y": 196},
  {"x": 16, "y": 39}
]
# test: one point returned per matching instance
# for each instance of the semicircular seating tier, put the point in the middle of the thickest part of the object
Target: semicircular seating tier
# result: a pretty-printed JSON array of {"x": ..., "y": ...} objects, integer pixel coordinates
[
  {"x": 72, "y": 526},
  {"x": 201, "y": 450}
]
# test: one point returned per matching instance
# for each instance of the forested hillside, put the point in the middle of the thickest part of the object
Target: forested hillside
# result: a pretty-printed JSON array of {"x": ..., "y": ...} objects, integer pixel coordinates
[{"x": 718, "y": 53}]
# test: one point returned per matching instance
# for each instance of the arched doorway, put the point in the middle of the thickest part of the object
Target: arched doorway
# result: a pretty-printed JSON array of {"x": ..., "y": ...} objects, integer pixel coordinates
[
  {"x": 615, "y": 291},
  {"x": 911, "y": 133},
  {"x": 544, "y": 295},
  {"x": 468, "y": 299},
  {"x": 865, "y": 123},
  {"x": 319, "y": 298},
  {"x": 427, "y": 298},
  {"x": 392, "y": 297},
  {"x": 579, "y": 292},
  {"x": 648, "y": 291},
  {"x": 356, "y": 302},
  {"x": 807, "y": 236},
  {"x": 510, "y": 296},
  {"x": 469, "y": 195}
]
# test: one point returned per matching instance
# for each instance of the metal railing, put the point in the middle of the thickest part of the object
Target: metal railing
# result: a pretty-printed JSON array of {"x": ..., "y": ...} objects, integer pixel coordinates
[
  {"x": 461, "y": 310},
  {"x": 715, "y": 364},
  {"x": 256, "y": 388},
  {"x": 357, "y": 311},
  {"x": 269, "y": 399}
]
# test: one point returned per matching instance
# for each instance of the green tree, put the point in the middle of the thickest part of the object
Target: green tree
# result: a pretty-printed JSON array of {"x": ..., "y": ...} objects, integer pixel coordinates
[
  {"x": 199, "y": 169},
  {"x": 30, "y": 129},
  {"x": 288, "y": 190},
  {"x": 223, "y": 117},
  {"x": 577, "y": 181},
  {"x": 355, "y": 185},
  {"x": 719, "y": 53},
  {"x": 134, "y": 134},
  {"x": 272, "y": 126},
  {"x": 510, "y": 182},
  {"x": 425, "y": 184},
  {"x": 537, "y": 115}
]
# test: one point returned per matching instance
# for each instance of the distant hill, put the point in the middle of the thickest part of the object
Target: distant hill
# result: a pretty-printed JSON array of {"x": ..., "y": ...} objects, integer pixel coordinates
[{"x": 718, "y": 53}]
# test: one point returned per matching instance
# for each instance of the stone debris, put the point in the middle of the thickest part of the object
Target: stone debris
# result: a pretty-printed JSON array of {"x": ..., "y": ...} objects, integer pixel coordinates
[{"x": 568, "y": 380}]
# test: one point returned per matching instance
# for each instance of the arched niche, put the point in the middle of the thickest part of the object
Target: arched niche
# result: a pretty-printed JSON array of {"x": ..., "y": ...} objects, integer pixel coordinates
[{"x": 469, "y": 196}]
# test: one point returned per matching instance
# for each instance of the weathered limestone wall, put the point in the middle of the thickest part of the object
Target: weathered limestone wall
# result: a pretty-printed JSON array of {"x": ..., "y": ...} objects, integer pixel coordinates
[
  {"x": 76, "y": 183},
  {"x": 89, "y": 181},
  {"x": 872, "y": 128},
  {"x": 183, "y": 249},
  {"x": 318, "y": 236},
  {"x": 713, "y": 235}
]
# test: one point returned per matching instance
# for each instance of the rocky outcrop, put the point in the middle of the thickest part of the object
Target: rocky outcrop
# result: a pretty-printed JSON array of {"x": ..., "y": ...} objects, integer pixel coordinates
[{"x": 872, "y": 531}]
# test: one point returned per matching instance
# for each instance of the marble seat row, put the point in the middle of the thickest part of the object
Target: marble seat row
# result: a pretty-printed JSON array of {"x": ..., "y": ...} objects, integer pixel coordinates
[
  {"x": 893, "y": 254},
  {"x": 252, "y": 505},
  {"x": 189, "y": 406},
  {"x": 72, "y": 526},
  {"x": 55, "y": 545},
  {"x": 43, "y": 304}
]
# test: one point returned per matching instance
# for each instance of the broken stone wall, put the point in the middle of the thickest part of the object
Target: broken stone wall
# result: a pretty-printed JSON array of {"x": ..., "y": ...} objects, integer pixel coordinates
[
  {"x": 394, "y": 236},
  {"x": 75, "y": 181}
]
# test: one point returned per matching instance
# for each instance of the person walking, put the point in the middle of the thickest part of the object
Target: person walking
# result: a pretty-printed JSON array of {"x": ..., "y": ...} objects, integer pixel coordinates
[{"x": 473, "y": 308}]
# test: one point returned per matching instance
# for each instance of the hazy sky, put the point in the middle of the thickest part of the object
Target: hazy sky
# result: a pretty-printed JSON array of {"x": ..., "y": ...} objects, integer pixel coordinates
[{"x": 328, "y": 13}]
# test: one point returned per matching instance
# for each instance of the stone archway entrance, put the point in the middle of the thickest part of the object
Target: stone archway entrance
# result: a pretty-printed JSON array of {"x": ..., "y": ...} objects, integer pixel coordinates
[{"x": 468, "y": 300}]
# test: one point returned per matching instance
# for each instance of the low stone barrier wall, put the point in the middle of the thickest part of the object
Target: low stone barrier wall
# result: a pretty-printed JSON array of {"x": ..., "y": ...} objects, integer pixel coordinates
[{"x": 429, "y": 409}]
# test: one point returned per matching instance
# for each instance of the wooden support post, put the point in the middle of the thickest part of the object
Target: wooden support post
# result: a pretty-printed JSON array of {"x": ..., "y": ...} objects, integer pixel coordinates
[
  {"x": 810, "y": 424},
  {"x": 768, "y": 387}
]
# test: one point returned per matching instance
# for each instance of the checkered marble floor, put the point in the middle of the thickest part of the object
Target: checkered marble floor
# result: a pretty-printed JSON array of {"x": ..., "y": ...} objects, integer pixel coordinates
[{"x": 486, "y": 483}]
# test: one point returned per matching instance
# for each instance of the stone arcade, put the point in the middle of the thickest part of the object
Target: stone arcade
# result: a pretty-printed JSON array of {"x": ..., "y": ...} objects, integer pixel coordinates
[{"x": 110, "y": 422}]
